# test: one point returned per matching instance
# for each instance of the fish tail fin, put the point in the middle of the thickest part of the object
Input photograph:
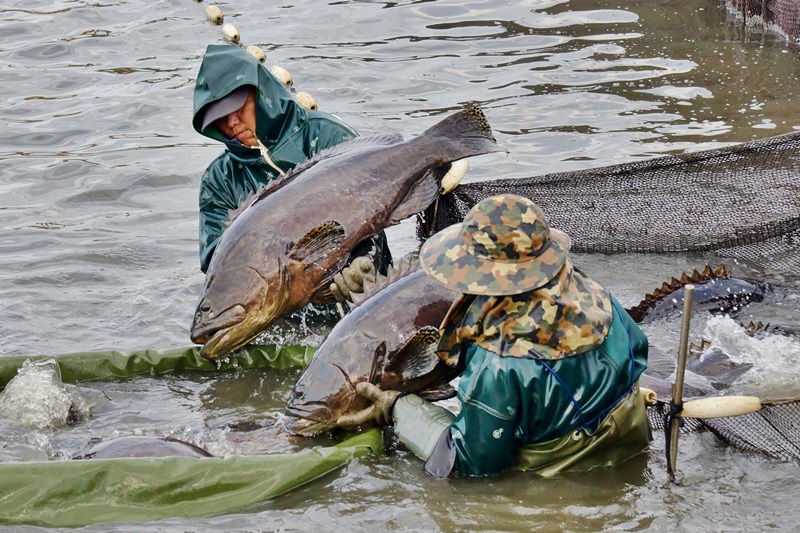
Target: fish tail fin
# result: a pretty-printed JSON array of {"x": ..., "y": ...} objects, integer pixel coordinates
[{"x": 467, "y": 133}]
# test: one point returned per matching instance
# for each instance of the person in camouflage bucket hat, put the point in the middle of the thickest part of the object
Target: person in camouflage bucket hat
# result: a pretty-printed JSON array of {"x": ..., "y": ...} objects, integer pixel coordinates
[
  {"x": 551, "y": 360},
  {"x": 531, "y": 301}
]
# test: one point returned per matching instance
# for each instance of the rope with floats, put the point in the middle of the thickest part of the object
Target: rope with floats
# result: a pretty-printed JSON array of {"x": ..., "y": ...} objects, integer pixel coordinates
[{"x": 231, "y": 34}]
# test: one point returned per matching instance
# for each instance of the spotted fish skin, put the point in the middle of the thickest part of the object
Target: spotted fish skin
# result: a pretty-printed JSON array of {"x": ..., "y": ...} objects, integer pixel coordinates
[{"x": 715, "y": 289}]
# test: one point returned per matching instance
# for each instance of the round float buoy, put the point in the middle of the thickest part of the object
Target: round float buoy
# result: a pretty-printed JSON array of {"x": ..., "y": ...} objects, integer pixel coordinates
[
  {"x": 282, "y": 74},
  {"x": 214, "y": 14},
  {"x": 306, "y": 101},
  {"x": 230, "y": 32},
  {"x": 257, "y": 52}
]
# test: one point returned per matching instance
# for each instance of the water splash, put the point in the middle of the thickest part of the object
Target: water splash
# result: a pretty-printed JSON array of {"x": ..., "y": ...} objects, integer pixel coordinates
[
  {"x": 775, "y": 372},
  {"x": 37, "y": 398}
]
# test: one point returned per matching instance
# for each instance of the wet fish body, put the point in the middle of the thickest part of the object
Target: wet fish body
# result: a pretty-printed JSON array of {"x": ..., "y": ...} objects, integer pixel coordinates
[
  {"x": 284, "y": 245},
  {"x": 391, "y": 315},
  {"x": 142, "y": 446},
  {"x": 716, "y": 291},
  {"x": 390, "y": 339}
]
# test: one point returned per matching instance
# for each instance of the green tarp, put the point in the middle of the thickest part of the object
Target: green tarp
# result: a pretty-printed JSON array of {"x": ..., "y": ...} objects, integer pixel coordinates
[
  {"x": 76, "y": 493},
  {"x": 103, "y": 366}
]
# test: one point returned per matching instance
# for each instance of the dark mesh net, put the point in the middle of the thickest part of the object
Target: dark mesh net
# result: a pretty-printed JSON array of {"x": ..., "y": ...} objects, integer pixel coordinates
[
  {"x": 770, "y": 14},
  {"x": 739, "y": 202},
  {"x": 774, "y": 430}
]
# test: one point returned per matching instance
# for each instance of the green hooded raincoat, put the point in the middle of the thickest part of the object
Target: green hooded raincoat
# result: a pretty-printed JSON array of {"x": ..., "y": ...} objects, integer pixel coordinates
[
  {"x": 537, "y": 415},
  {"x": 290, "y": 134}
]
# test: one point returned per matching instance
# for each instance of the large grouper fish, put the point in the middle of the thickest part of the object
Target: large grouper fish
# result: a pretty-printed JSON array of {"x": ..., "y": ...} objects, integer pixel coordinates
[
  {"x": 284, "y": 244},
  {"x": 390, "y": 339}
]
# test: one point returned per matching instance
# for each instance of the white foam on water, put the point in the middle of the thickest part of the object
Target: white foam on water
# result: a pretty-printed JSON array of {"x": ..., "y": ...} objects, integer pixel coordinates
[
  {"x": 775, "y": 372},
  {"x": 37, "y": 398}
]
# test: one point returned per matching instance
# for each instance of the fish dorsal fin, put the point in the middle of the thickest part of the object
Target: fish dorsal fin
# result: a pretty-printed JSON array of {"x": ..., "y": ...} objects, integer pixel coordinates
[
  {"x": 421, "y": 195},
  {"x": 442, "y": 391},
  {"x": 696, "y": 349},
  {"x": 318, "y": 242},
  {"x": 366, "y": 141},
  {"x": 418, "y": 356},
  {"x": 755, "y": 328},
  {"x": 408, "y": 265},
  {"x": 246, "y": 203},
  {"x": 640, "y": 310}
]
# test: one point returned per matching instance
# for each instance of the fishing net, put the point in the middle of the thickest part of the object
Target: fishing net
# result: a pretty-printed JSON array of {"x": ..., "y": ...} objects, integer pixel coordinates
[
  {"x": 783, "y": 15},
  {"x": 774, "y": 430},
  {"x": 739, "y": 202}
]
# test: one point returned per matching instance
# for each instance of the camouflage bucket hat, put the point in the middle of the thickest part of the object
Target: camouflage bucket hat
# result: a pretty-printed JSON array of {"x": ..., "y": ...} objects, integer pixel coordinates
[{"x": 503, "y": 246}]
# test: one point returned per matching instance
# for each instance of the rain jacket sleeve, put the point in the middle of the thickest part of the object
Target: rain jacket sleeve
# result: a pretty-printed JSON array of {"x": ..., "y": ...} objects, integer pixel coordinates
[
  {"x": 218, "y": 197},
  {"x": 484, "y": 431}
]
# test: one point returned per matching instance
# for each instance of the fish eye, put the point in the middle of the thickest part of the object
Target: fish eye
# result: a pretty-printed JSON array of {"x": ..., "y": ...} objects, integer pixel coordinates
[
  {"x": 205, "y": 308},
  {"x": 299, "y": 390},
  {"x": 380, "y": 351}
]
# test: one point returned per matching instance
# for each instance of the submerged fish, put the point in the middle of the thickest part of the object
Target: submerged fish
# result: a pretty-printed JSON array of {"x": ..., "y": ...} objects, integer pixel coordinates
[
  {"x": 389, "y": 339},
  {"x": 716, "y": 291},
  {"x": 142, "y": 446},
  {"x": 373, "y": 339},
  {"x": 285, "y": 244}
]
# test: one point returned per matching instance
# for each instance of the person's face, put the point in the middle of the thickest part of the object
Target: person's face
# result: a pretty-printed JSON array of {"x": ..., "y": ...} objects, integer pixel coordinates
[{"x": 241, "y": 124}]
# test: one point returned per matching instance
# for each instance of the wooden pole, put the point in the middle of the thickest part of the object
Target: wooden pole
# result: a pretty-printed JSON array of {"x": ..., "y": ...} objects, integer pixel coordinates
[{"x": 677, "y": 388}]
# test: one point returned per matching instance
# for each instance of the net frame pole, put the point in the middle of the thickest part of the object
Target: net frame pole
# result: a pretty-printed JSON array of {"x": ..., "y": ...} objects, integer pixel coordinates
[{"x": 676, "y": 406}]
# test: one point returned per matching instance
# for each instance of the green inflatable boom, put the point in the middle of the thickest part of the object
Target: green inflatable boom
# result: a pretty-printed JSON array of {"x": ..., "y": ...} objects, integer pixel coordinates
[{"x": 77, "y": 493}]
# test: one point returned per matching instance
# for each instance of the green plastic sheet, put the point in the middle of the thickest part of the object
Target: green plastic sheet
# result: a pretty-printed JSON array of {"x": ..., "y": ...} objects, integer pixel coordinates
[
  {"x": 78, "y": 493},
  {"x": 104, "y": 366}
]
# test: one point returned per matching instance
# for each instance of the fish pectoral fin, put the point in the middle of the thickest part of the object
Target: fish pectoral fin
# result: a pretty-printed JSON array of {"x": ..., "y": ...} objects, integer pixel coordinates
[
  {"x": 322, "y": 290},
  {"x": 441, "y": 392},
  {"x": 318, "y": 243},
  {"x": 323, "y": 295},
  {"x": 418, "y": 356},
  {"x": 421, "y": 195}
]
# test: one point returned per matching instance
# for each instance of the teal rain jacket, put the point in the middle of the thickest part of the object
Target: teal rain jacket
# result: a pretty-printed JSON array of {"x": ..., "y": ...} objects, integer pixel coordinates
[
  {"x": 510, "y": 402},
  {"x": 290, "y": 134}
]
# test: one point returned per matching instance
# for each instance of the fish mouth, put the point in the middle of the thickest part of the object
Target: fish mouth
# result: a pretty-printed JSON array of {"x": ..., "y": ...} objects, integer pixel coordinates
[
  {"x": 300, "y": 421},
  {"x": 305, "y": 427},
  {"x": 218, "y": 336}
]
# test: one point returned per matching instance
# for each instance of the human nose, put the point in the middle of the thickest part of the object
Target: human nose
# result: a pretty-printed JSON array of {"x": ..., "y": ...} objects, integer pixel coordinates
[{"x": 233, "y": 120}]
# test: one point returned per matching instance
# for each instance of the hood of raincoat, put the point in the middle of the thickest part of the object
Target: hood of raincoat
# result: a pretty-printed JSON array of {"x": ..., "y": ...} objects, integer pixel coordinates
[
  {"x": 289, "y": 133},
  {"x": 278, "y": 115}
]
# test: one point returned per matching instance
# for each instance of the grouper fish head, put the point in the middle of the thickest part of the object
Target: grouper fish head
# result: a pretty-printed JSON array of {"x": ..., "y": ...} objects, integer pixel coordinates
[
  {"x": 327, "y": 388},
  {"x": 256, "y": 277},
  {"x": 243, "y": 293}
]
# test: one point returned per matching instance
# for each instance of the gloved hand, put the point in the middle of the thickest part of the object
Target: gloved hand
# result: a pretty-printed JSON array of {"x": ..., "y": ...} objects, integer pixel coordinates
[
  {"x": 379, "y": 412},
  {"x": 351, "y": 279}
]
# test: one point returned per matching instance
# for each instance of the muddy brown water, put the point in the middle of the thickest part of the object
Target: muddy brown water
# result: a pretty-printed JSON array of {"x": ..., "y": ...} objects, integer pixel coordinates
[{"x": 99, "y": 172}]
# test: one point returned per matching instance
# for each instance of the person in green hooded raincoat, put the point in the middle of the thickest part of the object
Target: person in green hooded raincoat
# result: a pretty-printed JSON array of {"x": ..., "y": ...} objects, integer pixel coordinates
[
  {"x": 551, "y": 360},
  {"x": 239, "y": 103}
]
